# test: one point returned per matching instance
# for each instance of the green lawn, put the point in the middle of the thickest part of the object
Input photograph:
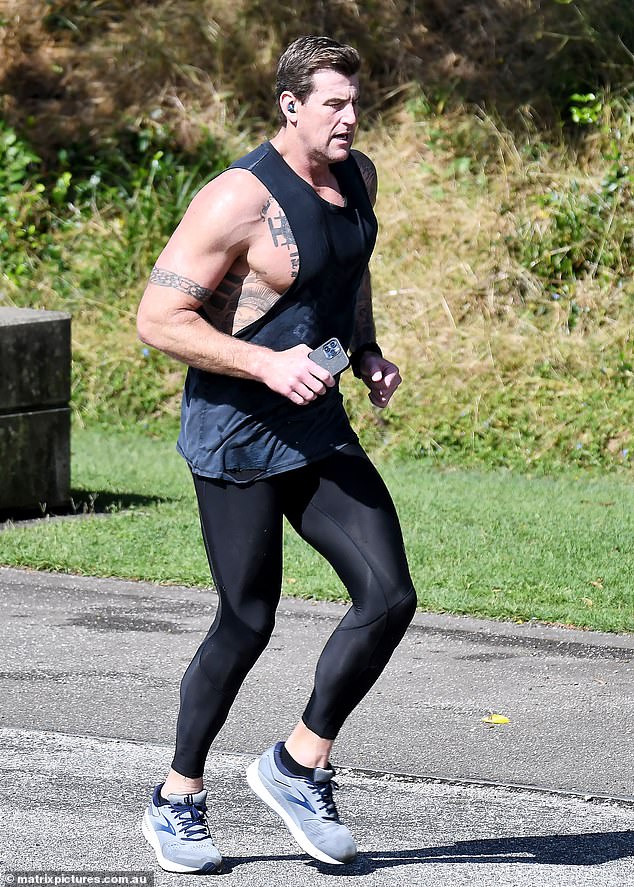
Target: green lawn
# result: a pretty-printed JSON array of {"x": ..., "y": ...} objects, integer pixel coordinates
[{"x": 500, "y": 545}]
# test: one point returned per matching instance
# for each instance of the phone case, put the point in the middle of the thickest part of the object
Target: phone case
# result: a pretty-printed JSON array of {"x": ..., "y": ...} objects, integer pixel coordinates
[{"x": 331, "y": 356}]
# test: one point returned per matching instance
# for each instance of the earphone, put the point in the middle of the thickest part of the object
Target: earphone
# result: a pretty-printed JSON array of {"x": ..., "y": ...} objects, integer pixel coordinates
[{"x": 291, "y": 107}]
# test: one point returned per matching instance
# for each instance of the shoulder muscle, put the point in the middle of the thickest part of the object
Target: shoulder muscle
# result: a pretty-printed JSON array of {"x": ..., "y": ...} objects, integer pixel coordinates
[{"x": 224, "y": 212}]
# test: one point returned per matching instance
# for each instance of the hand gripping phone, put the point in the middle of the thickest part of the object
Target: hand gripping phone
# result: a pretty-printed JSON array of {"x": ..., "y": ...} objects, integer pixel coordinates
[{"x": 331, "y": 356}]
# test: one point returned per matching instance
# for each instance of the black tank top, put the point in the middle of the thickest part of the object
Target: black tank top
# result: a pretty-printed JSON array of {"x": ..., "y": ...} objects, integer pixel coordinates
[{"x": 240, "y": 430}]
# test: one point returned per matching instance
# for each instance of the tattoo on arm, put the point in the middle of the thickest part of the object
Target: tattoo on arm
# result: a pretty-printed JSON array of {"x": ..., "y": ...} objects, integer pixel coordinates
[
  {"x": 364, "y": 330},
  {"x": 368, "y": 172},
  {"x": 163, "y": 277}
]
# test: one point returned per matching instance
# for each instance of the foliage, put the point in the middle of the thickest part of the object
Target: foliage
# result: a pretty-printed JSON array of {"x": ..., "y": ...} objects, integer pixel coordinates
[
  {"x": 503, "y": 271},
  {"x": 138, "y": 179},
  {"x": 578, "y": 232},
  {"x": 72, "y": 70},
  {"x": 23, "y": 206},
  {"x": 585, "y": 109}
]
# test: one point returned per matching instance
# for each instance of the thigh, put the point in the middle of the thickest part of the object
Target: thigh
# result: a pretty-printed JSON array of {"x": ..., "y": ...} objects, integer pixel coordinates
[
  {"x": 242, "y": 532},
  {"x": 342, "y": 507}
]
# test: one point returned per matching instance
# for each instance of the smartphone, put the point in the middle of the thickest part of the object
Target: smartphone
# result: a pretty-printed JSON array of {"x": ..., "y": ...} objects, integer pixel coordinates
[{"x": 331, "y": 356}]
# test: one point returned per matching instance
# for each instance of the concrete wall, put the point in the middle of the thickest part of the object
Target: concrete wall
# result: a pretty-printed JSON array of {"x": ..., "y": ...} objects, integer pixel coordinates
[{"x": 35, "y": 356}]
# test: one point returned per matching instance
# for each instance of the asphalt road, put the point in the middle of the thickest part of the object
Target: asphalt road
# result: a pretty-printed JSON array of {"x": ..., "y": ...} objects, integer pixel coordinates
[{"x": 89, "y": 689}]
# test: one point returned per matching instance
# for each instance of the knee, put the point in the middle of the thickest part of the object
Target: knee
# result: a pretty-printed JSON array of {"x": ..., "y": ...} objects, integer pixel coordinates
[
  {"x": 401, "y": 612},
  {"x": 389, "y": 606},
  {"x": 237, "y": 638}
]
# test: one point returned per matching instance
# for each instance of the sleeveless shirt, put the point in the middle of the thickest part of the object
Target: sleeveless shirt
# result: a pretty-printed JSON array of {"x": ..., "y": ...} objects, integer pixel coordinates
[{"x": 238, "y": 429}]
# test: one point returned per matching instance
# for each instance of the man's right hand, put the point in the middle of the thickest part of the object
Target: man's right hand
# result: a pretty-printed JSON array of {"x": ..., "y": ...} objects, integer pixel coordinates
[{"x": 294, "y": 375}]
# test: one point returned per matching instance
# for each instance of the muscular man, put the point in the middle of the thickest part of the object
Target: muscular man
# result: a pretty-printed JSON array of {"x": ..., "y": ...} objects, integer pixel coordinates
[{"x": 269, "y": 261}]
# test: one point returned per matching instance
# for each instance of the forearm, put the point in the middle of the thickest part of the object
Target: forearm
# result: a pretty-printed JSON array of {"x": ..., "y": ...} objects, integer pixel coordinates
[
  {"x": 364, "y": 330},
  {"x": 184, "y": 335}
]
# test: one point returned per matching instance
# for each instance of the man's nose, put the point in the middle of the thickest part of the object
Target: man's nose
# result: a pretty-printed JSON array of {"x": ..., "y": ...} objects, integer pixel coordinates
[{"x": 350, "y": 114}]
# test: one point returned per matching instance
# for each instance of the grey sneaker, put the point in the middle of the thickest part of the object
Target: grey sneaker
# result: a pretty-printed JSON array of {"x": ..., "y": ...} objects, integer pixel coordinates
[
  {"x": 178, "y": 833},
  {"x": 306, "y": 806}
]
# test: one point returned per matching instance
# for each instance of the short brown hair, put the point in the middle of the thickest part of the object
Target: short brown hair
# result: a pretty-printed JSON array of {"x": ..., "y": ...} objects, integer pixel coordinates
[{"x": 304, "y": 56}]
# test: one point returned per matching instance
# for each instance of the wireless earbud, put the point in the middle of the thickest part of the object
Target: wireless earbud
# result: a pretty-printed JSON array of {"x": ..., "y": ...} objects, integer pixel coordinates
[{"x": 291, "y": 107}]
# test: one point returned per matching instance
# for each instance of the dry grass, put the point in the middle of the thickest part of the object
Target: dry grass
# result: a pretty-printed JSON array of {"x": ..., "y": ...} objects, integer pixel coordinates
[
  {"x": 495, "y": 367},
  {"x": 74, "y": 69},
  {"x": 487, "y": 354}
]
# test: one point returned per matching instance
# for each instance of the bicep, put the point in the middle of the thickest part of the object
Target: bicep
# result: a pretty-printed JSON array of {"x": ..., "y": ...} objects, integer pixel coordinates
[
  {"x": 208, "y": 241},
  {"x": 181, "y": 283}
]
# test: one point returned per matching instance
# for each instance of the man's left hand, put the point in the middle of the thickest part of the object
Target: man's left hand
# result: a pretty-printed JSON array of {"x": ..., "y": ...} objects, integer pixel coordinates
[{"x": 381, "y": 377}]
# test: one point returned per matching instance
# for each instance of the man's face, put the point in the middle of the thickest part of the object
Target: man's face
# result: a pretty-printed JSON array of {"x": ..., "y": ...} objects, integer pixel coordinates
[{"x": 327, "y": 120}]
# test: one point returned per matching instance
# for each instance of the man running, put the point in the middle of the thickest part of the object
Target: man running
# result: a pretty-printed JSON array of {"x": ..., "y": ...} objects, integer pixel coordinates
[{"x": 268, "y": 263}]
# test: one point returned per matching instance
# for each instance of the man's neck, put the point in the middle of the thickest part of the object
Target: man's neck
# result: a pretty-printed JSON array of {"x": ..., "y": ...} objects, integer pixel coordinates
[{"x": 313, "y": 170}]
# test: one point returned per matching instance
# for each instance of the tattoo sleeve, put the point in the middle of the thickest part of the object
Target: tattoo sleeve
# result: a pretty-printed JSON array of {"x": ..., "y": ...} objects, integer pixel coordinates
[
  {"x": 364, "y": 330},
  {"x": 163, "y": 277},
  {"x": 368, "y": 173}
]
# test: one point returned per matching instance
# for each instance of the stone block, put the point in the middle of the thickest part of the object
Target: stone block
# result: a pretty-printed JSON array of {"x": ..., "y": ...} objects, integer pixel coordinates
[
  {"x": 35, "y": 358},
  {"x": 35, "y": 448}
]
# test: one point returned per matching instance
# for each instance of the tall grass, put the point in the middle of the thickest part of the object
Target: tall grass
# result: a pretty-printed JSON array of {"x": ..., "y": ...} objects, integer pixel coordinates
[
  {"x": 502, "y": 274},
  {"x": 507, "y": 361},
  {"x": 75, "y": 69}
]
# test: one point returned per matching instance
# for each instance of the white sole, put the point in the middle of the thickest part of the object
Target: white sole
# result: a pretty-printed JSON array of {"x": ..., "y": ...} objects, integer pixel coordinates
[
  {"x": 150, "y": 836},
  {"x": 256, "y": 784}
]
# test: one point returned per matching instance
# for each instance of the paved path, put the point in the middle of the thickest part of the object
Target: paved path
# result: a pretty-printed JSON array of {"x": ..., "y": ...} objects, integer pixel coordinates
[{"x": 89, "y": 664}]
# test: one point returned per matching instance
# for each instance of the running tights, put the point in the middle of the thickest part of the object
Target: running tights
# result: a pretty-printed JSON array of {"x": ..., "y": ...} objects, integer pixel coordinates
[{"x": 342, "y": 508}]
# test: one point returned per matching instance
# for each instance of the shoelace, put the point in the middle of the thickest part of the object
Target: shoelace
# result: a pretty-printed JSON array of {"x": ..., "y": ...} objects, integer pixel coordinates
[
  {"x": 192, "y": 822},
  {"x": 326, "y": 800}
]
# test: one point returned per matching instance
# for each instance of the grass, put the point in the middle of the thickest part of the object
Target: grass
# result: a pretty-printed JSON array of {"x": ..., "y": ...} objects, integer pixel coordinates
[
  {"x": 502, "y": 276},
  {"x": 492, "y": 544},
  {"x": 503, "y": 269},
  {"x": 505, "y": 366}
]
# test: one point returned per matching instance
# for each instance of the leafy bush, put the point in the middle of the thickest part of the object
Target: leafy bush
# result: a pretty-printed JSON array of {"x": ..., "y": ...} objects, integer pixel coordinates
[
  {"x": 23, "y": 206},
  {"x": 580, "y": 232},
  {"x": 504, "y": 262},
  {"x": 139, "y": 179},
  {"x": 81, "y": 236},
  {"x": 581, "y": 226}
]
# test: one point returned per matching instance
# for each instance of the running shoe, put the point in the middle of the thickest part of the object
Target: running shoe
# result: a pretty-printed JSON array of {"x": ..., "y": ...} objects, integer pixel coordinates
[
  {"x": 306, "y": 806},
  {"x": 177, "y": 830}
]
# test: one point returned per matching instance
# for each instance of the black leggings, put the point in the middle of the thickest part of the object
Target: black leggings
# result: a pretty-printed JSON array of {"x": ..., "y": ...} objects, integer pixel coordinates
[{"x": 342, "y": 508}]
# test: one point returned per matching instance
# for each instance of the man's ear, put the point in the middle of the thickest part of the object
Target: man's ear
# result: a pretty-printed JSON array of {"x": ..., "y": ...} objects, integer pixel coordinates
[{"x": 288, "y": 104}]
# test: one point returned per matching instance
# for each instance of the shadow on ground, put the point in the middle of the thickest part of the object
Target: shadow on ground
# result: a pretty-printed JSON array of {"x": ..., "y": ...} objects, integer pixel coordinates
[
  {"x": 592, "y": 848},
  {"x": 83, "y": 503}
]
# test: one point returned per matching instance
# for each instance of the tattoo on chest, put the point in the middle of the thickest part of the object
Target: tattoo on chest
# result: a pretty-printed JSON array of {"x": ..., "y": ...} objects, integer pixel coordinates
[
  {"x": 237, "y": 301},
  {"x": 240, "y": 298},
  {"x": 256, "y": 298},
  {"x": 282, "y": 235}
]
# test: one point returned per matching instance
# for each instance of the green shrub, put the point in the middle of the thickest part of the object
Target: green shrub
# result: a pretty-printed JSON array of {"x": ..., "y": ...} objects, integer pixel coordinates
[
  {"x": 23, "y": 207},
  {"x": 578, "y": 230}
]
